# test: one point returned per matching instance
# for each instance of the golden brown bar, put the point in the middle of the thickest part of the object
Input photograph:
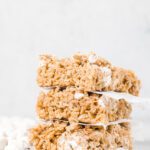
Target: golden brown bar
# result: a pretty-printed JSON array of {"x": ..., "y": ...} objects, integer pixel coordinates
[
  {"x": 87, "y": 72},
  {"x": 65, "y": 136},
  {"x": 76, "y": 105}
]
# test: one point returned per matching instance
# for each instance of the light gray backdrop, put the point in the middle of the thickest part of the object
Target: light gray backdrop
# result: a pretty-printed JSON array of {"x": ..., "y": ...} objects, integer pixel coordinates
[{"x": 117, "y": 30}]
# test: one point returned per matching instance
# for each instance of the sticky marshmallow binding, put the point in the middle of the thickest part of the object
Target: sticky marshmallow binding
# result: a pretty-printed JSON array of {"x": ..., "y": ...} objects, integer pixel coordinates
[
  {"x": 128, "y": 97},
  {"x": 106, "y": 75},
  {"x": 78, "y": 95},
  {"x": 100, "y": 124}
]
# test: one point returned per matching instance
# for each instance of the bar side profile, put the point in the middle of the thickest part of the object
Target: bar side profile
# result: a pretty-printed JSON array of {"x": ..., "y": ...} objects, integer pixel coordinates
[
  {"x": 79, "y": 106},
  {"x": 63, "y": 136},
  {"x": 87, "y": 72}
]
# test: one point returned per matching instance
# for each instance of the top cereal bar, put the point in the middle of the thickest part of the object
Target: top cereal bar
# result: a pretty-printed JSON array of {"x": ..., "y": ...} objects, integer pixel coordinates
[{"x": 86, "y": 72}]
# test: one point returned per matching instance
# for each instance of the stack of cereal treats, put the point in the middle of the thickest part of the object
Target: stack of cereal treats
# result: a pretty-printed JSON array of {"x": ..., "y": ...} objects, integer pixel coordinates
[{"x": 75, "y": 115}]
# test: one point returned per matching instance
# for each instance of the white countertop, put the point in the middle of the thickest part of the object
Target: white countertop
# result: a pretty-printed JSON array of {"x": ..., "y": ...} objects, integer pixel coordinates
[{"x": 142, "y": 146}]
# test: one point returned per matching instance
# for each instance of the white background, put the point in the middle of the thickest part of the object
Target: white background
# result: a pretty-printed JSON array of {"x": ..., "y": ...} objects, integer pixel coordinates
[{"x": 118, "y": 30}]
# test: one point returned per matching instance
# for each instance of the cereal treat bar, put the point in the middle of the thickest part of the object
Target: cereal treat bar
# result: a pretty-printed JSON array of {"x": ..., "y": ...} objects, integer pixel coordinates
[
  {"x": 76, "y": 105},
  {"x": 65, "y": 136},
  {"x": 88, "y": 72}
]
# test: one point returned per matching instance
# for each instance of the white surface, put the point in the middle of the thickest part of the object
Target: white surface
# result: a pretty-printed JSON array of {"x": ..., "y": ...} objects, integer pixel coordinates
[
  {"x": 14, "y": 133},
  {"x": 117, "y": 30},
  {"x": 142, "y": 146}
]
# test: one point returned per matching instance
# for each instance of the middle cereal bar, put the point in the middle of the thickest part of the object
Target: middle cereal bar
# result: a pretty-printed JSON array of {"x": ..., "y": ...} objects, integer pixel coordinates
[{"x": 74, "y": 105}]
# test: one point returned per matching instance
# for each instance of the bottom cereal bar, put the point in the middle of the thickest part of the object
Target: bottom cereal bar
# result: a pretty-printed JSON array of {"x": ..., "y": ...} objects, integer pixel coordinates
[{"x": 65, "y": 136}]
